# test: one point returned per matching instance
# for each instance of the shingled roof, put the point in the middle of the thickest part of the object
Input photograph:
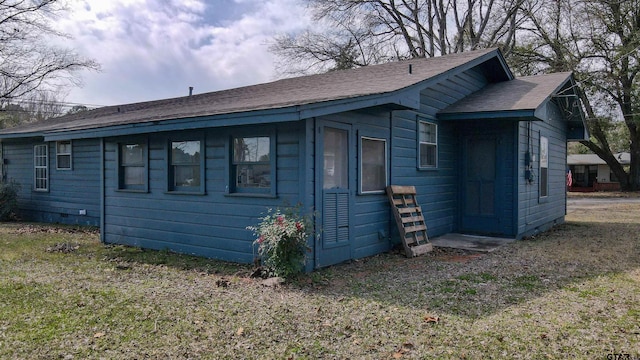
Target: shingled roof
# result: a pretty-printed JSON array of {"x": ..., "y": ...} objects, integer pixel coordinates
[
  {"x": 293, "y": 92},
  {"x": 623, "y": 158},
  {"x": 527, "y": 93}
]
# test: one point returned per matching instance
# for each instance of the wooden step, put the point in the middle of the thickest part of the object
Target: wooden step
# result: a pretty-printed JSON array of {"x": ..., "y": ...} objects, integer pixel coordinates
[{"x": 409, "y": 219}]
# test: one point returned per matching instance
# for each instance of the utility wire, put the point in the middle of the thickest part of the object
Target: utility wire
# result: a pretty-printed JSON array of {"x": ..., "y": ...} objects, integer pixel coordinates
[{"x": 45, "y": 102}]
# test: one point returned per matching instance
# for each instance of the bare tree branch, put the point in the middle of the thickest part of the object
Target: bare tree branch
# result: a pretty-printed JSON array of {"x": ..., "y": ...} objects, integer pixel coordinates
[{"x": 28, "y": 61}]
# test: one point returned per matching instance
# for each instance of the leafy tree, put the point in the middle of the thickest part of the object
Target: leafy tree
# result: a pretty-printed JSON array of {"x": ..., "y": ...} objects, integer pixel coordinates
[
  {"x": 77, "y": 109},
  {"x": 28, "y": 60},
  {"x": 600, "y": 41}
]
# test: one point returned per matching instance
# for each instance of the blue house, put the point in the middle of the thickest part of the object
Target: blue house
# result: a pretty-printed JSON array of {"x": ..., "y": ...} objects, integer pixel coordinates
[{"x": 486, "y": 152}]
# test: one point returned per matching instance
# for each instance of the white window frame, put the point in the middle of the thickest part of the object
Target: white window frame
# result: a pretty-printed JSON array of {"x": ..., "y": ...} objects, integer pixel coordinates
[
  {"x": 434, "y": 144},
  {"x": 36, "y": 156},
  {"x": 235, "y": 163},
  {"x": 172, "y": 164},
  {"x": 59, "y": 154},
  {"x": 544, "y": 164},
  {"x": 122, "y": 165},
  {"x": 386, "y": 166}
]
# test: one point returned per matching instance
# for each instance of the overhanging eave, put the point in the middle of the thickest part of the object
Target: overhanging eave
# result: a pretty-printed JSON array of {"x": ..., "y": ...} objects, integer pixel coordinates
[{"x": 519, "y": 115}]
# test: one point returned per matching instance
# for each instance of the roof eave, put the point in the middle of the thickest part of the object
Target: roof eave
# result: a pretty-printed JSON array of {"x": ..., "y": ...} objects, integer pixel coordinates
[
  {"x": 291, "y": 113},
  {"x": 578, "y": 130},
  {"x": 516, "y": 115},
  {"x": 24, "y": 135},
  {"x": 192, "y": 123}
]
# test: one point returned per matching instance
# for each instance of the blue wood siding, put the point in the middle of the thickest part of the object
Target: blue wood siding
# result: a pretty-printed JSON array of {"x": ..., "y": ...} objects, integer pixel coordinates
[
  {"x": 438, "y": 189},
  {"x": 370, "y": 218},
  {"x": 70, "y": 191},
  {"x": 449, "y": 91},
  {"x": 536, "y": 214},
  {"x": 212, "y": 224}
]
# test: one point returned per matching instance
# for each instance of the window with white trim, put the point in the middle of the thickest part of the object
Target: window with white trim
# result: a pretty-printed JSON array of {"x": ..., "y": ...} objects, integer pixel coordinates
[
  {"x": 133, "y": 166},
  {"x": 373, "y": 165},
  {"x": 186, "y": 166},
  {"x": 428, "y": 145},
  {"x": 63, "y": 155},
  {"x": 251, "y": 164},
  {"x": 41, "y": 167},
  {"x": 544, "y": 166}
]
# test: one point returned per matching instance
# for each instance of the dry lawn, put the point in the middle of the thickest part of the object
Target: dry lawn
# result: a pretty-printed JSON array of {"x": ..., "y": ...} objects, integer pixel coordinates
[{"x": 573, "y": 292}]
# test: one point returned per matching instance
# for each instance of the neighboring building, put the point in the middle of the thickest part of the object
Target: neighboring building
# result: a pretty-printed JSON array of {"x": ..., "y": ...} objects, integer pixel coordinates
[
  {"x": 486, "y": 152},
  {"x": 591, "y": 173}
]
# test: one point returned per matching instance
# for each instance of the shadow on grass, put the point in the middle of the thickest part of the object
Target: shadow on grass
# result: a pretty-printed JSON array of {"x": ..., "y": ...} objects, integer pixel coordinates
[
  {"x": 453, "y": 282},
  {"x": 472, "y": 285},
  {"x": 128, "y": 254},
  {"x": 460, "y": 283}
]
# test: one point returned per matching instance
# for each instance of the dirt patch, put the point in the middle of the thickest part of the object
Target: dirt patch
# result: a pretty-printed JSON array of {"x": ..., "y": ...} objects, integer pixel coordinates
[
  {"x": 52, "y": 229},
  {"x": 454, "y": 255},
  {"x": 462, "y": 258},
  {"x": 65, "y": 248}
]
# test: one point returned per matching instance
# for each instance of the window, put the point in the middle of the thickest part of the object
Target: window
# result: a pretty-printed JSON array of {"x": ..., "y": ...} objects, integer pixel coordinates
[
  {"x": 41, "y": 168},
  {"x": 578, "y": 175},
  {"x": 63, "y": 155},
  {"x": 251, "y": 164},
  {"x": 428, "y": 145},
  {"x": 544, "y": 166},
  {"x": 133, "y": 166},
  {"x": 373, "y": 165},
  {"x": 336, "y": 159},
  {"x": 186, "y": 166}
]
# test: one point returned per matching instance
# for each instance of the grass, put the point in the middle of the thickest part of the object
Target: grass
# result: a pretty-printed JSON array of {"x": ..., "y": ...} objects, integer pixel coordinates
[{"x": 571, "y": 292}]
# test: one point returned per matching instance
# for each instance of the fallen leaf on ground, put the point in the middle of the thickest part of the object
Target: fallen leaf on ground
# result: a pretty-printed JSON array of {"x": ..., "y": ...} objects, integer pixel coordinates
[
  {"x": 98, "y": 335},
  {"x": 432, "y": 319}
]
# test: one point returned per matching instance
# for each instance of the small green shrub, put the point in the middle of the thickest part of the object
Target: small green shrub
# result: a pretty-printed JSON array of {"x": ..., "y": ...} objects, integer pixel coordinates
[
  {"x": 282, "y": 241},
  {"x": 8, "y": 200}
]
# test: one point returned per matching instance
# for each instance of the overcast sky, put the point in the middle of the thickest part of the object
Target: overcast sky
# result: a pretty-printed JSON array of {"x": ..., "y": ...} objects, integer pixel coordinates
[{"x": 154, "y": 49}]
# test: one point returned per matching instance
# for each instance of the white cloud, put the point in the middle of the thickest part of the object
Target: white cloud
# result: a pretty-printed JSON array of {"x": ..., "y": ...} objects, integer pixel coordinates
[{"x": 151, "y": 49}]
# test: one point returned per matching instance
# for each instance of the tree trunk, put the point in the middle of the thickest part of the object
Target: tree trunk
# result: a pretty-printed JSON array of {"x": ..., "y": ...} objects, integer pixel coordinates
[{"x": 634, "y": 166}]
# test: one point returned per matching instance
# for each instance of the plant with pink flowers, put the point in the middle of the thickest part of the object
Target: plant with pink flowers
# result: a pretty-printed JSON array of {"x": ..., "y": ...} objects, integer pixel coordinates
[{"x": 282, "y": 241}]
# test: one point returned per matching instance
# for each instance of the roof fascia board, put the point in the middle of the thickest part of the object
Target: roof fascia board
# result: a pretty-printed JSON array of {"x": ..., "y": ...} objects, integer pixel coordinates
[
  {"x": 402, "y": 98},
  {"x": 504, "y": 64},
  {"x": 496, "y": 53},
  {"x": 294, "y": 113},
  {"x": 541, "y": 110},
  {"x": 25, "y": 135},
  {"x": 244, "y": 118},
  {"x": 582, "y": 120},
  {"x": 519, "y": 115}
]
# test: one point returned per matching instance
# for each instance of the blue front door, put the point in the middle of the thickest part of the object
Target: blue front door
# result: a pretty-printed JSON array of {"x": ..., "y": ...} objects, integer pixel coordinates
[
  {"x": 333, "y": 193},
  {"x": 481, "y": 185}
]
